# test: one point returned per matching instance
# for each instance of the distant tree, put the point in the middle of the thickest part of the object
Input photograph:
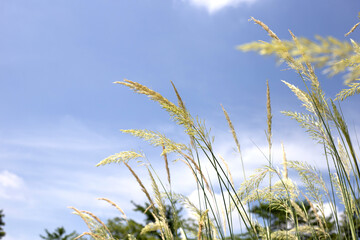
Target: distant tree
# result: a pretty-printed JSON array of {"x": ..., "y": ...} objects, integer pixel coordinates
[
  {"x": 120, "y": 228},
  {"x": 174, "y": 224},
  {"x": 345, "y": 227},
  {"x": 277, "y": 219},
  {"x": 59, "y": 234},
  {"x": 2, "y": 223}
]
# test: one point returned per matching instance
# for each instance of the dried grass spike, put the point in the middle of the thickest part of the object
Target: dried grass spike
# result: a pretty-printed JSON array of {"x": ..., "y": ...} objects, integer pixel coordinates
[
  {"x": 266, "y": 28},
  {"x": 148, "y": 208},
  {"x": 285, "y": 173},
  {"x": 156, "y": 139},
  {"x": 140, "y": 183},
  {"x": 120, "y": 157},
  {"x": 78, "y": 212},
  {"x": 232, "y": 129},
  {"x": 302, "y": 96},
  {"x": 354, "y": 88},
  {"x": 93, "y": 235},
  {"x": 352, "y": 29},
  {"x": 180, "y": 101},
  {"x": 83, "y": 234},
  {"x": 158, "y": 198},
  {"x": 228, "y": 170},
  {"x": 166, "y": 164},
  {"x": 202, "y": 223},
  {"x": 178, "y": 114},
  {"x": 98, "y": 220},
  {"x": 196, "y": 166},
  {"x": 269, "y": 115},
  {"x": 313, "y": 209},
  {"x": 115, "y": 205},
  {"x": 150, "y": 227},
  {"x": 224, "y": 220}
]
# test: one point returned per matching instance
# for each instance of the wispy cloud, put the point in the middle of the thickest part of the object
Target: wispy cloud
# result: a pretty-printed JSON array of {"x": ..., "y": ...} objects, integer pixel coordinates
[
  {"x": 215, "y": 5},
  {"x": 67, "y": 133}
]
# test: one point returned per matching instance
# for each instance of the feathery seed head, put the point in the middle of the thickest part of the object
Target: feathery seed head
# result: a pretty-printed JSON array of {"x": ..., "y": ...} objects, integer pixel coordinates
[
  {"x": 269, "y": 115},
  {"x": 157, "y": 139},
  {"x": 140, "y": 183},
  {"x": 285, "y": 172},
  {"x": 178, "y": 114},
  {"x": 352, "y": 29},
  {"x": 265, "y": 27},
  {"x": 166, "y": 164},
  {"x": 115, "y": 205},
  {"x": 120, "y": 157}
]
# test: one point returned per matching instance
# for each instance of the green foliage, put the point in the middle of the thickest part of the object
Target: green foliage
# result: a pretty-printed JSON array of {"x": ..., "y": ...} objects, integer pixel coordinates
[
  {"x": 59, "y": 234},
  {"x": 2, "y": 223},
  {"x": 174, "y": 218},
  {"x": 120, "y": 228},
  {"x": 278, "y": 220}
]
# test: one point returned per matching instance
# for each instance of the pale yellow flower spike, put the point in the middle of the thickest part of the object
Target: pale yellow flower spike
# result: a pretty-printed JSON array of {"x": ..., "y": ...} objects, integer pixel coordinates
[
  {"x": 228, "y": 170},
  {"x": 224, "y": 220},
  {"x": 140, "y": 183},
  {"x": 180, "y": 101},
  {"x": 313, "y": 209},
  {"x": 285, "y": 172},
  {"x": 302, "y": 96},
  {"x": 156, "y": 139},
  {"x": 166, "y": 164},
  {"x": 202, "y": 223},
  {"x": 98, "y": 220},
  {"x": 266, "y": 28},
  {"x": 95, "y": 236},
  {"x": 232, "y": 129},
  {"x": 115, "y": 205},
  {"x": 78, "y": 212},
  {"x": 120, "y": 157},
  {"x": 352, "y": 29},
  {"x": 269, "y": 115},
  {"x": 178, "y": 114}
]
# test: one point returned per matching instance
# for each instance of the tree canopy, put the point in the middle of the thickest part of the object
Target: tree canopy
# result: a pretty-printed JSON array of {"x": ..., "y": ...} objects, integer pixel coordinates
[
  {"x": 2, "y": 223},
  {"x": 59, "y": 234},
  {"x": 120, "y": 227}
]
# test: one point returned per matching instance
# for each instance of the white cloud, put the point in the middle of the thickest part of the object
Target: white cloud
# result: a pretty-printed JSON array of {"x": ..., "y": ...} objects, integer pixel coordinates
[
  {"x": 216, "y": 5},
  {"x": 8, "y": 179},
  {"x": 10, "y": 185}
]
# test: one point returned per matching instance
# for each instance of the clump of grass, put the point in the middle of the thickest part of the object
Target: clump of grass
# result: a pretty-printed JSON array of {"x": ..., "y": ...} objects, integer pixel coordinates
[{"x": 303, "y": 208}]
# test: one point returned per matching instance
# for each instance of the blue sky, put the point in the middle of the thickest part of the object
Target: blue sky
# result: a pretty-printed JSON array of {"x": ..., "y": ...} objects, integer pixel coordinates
[{"x": 61, "y": 112}]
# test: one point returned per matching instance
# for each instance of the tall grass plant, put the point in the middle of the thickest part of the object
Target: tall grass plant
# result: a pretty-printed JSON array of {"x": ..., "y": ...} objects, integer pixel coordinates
[{"x": 220, "y": 212}]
